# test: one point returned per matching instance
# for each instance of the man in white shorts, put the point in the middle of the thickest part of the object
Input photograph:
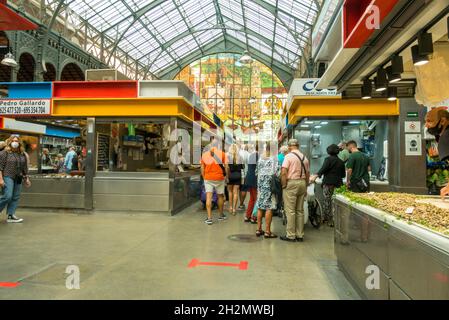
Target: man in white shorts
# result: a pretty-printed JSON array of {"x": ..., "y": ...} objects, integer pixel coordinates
[{"x": 214, "y": 167}]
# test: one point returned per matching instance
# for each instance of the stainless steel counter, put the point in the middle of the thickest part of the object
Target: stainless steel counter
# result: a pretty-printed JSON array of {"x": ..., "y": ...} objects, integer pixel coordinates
[
  {"x": 413, "y": 261},
  {"x": 145, "y": 191},
  {"x": 58, "y": 193}
]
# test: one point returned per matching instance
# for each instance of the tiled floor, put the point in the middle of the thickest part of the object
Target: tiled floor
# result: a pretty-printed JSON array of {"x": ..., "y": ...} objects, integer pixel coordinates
[{"x": 146, "y": 256}]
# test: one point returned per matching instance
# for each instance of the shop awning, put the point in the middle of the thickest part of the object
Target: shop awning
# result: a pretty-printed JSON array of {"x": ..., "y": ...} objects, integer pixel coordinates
[
  {"x": 327, "y": 108},
  {"x": 61, "y": 132},
  {"x": 9, "y": 20}
]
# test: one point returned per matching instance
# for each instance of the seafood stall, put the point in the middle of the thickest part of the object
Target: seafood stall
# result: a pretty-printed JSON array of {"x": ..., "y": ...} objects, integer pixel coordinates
[{"x": 393, "y": 246}]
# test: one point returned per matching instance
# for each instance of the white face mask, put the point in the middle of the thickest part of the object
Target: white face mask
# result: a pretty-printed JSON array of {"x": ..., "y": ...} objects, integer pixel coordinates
[{"x": 14, "y": 145}]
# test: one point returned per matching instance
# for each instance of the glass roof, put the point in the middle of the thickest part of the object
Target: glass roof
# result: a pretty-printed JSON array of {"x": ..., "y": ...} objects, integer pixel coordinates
[{"x": 164, "y": 33}]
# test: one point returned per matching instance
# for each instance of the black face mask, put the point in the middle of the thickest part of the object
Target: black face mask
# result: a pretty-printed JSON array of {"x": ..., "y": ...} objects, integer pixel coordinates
[{"x": 435, "y": 131}]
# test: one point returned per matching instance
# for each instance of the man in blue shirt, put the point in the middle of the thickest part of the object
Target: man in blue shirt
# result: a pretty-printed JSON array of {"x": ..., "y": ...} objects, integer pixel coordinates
[{"x": 69, "y": 159}]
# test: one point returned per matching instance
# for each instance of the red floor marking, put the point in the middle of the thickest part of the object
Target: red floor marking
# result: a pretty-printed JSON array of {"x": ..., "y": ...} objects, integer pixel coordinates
[
  {"x": 243, "y": 265},
  {"x": 9, "y": 284}
]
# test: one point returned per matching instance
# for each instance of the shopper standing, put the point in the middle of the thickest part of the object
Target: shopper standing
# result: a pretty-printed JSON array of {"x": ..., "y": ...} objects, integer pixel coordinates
[
  {"x": 13, "y": 173},
  {"x": 334, "y": 172},
  {"x": 344, "y": 152},
  {"x": 46, "y": 160},
  {"x": 283, "y": 151},
  {"x": 234, "y": 180},
  {"x": 267, "y": 169},
  {"x": 251, "y": 182},
  {"x": 214, "y": 168},
  {"x": 68, "y": 162},
  {"x": 59, "y": 166},
  {"x": 295, "y": 179},
  {"x": 358, "y": 168},
  {"x": 244, "y": 154}
]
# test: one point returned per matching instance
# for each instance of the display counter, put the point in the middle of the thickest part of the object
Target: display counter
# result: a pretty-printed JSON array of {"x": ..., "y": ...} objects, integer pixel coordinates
[
  {"x": 145, "y": 191},
  {"x": 54, "y": 191},
  {"x": 413, "y": 260}
]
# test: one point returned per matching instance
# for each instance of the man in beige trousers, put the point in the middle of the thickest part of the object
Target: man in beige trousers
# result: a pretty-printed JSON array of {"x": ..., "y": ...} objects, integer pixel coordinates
[{"x": 295, "y": 179}]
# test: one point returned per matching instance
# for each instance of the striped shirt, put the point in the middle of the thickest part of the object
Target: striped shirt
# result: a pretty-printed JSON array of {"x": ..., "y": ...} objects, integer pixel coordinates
[{"x": 13, "y": 164}]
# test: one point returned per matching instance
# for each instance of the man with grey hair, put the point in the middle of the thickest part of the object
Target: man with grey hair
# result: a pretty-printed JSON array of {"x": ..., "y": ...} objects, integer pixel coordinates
[
  {"x": 283, "y": 151},
  {"x": 295, "y": 179}
]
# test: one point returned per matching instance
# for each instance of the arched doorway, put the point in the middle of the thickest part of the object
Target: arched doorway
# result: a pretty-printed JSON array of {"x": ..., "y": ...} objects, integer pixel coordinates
[
  {"x": 27, "y": 66},
  {"x": 50, "y": 75},
  {"x": 5, "y": 71},
  {"x": 72, "y": 72}
]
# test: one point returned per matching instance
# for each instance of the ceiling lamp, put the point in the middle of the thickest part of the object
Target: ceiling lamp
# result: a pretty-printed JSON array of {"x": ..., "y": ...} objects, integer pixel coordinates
[
  {"x": 418, "y": 59},
  {"x": 395, "y": 70},
  {"x": 9, "y": 61},
  {"x": 246, "y": 58},
  {"x": 421, "y": 52},
  {"x": 367, "y": 89},
  {"x": 392, "y": 93},
  {"x": 381, "y": 81},
  {"x": 425, "y": 44}
]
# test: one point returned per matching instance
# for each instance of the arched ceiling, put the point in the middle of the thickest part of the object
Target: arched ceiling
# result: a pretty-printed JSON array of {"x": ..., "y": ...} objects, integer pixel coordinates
[{"x": 166, "y": 35}]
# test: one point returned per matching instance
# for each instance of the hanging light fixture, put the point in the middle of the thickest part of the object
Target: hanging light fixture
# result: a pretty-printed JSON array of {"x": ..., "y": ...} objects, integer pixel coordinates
[
  {"x": 421, "y": 52},
  {"x": 395, "y": 70},
  {"x": 392, "y": 93},
  {"x": 245, "y": 58},
  {"x": 425, "y": 44},
  {"x": 381, "y": 81},
  {"x": 367, "y": 89},
  {"x": 418, "y": 59},
  {"x": 9, "y": 61}
]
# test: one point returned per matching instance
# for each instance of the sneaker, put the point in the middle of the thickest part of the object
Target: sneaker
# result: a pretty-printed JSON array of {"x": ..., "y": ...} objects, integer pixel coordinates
[
  {"x": 299, "y": 239},
  {"x": 208, "y": 221},
  {"x": 222, "y": 217},
  {"x": 246, "y": 219},
  {"x": 242, "y": 207},
  {"x": 285, "y": 238},
  {"x": 14, "y": 219},
  {"x": 253, "y": 221}
]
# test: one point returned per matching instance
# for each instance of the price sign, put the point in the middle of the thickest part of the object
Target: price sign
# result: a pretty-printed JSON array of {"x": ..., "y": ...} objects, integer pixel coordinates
[{"x": 25, "y": 107}]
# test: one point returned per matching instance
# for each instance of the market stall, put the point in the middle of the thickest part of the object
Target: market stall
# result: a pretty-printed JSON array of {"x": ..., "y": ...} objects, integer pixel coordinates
[
  {"x": 393, "y": 246},
  {"x": 126, "y": 132},
  {"x": 319, "y": 121}
]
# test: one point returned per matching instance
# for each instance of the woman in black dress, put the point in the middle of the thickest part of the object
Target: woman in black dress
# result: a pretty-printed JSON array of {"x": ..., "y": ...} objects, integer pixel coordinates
[
  {"x": 234, "y": 178},
  {"x": 334, "y": 172}
]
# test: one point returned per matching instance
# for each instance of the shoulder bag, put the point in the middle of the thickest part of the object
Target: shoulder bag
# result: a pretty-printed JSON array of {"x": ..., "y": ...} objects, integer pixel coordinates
[{"x": 220, "y": 163}]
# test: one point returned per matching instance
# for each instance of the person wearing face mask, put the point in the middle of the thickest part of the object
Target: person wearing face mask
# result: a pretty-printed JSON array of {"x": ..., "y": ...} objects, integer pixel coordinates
[
  {"x": 437, "y": 123},
  {"x": 13, "y": 173}
]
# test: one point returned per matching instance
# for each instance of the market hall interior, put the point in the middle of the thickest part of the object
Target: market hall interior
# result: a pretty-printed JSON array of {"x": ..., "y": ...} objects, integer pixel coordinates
[{"x": 110, "y": 111}]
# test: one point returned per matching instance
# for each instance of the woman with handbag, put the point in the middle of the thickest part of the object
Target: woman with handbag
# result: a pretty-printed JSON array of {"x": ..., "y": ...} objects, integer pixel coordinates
[
  {"x": 267, "y": 172},
  {"x": 234, "y": 180},
  {"x": 13, "y": 174}
]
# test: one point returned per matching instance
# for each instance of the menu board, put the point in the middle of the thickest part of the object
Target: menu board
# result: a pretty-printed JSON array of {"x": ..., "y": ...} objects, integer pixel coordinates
[{"x": 103, "y": 151}]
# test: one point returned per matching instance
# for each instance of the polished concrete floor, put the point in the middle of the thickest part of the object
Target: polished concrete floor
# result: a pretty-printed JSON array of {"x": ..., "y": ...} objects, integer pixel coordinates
[{"x": 146, "y": 256}]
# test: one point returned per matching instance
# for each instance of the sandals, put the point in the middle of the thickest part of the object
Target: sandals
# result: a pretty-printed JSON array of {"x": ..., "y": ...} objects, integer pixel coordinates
[
  {"x": 270, "y": 235},
  {"x": 260, "y": 233}
]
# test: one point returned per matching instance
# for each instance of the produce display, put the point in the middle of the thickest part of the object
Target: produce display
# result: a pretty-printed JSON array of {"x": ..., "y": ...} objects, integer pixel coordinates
[{"x": 430, "y": 213}]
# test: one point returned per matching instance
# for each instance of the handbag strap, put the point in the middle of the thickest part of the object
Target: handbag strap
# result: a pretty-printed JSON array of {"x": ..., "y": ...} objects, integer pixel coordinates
[
  {"x": 302, "y": 163},
  {"x": 219, "y": 161}
]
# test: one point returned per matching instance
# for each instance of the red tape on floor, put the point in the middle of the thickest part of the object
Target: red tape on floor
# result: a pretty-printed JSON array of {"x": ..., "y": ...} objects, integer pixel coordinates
[
  {"x": 9, "y": 284},
  {"x": 243, "y": 265}
]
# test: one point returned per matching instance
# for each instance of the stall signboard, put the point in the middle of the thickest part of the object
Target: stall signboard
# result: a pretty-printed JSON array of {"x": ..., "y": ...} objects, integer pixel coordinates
[{"x": 25, "y": 107}]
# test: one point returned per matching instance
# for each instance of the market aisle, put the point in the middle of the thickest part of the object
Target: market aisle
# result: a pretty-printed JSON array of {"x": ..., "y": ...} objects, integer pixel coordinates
[{"x": 146, "y": 256}]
